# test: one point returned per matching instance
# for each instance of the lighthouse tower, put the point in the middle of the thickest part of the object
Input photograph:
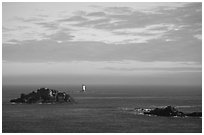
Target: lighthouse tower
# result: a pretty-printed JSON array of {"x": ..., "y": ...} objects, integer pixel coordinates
[{"x": 83, "y": 88}]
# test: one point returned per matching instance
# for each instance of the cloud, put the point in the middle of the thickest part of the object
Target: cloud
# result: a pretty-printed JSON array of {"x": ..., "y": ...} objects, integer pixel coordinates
[
  {"x": 97, "y": 35},
  {"x": 60, "y": 36},
  {"x": 4, "y": 61},
  {"x": 5, "y": 29},
  {"x": 106, "y": 33},
  {"x": 119, "y": 10},
  {"x": 122, "y": 36},
  {"x": 12, "y": 42},
  {"x": 31, "y": 19},
  {"x": 150, "y": 29},
  {"x": 79, "y": 12},
  {"x": 120, "y": 24},
  {"x": 50, "y": 50},
  {"x": 96, "y": 14},
  {"x": 93, "y": 21},
  {"x": 73, "y": 18},
  {"x": 48, "y": 25},
  {"x": 199, "y": 37},
  {"x": 128, "y": 39}
]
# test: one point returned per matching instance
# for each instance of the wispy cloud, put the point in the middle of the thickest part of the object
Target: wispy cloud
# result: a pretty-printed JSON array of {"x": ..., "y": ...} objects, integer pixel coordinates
[
  {"x": 177, "y": 26},
  {"x": 198, "y": 36},
  {"x": 122, "y": 36},
  {"x": 120, "y": 25},
  {"x": 60, "y": 36},
  {"x": 119, "y": 10},
  {"x": 97, "y": 14},
  {"x": 73, "y": 18},
  {"x": 48, "y": 25}
]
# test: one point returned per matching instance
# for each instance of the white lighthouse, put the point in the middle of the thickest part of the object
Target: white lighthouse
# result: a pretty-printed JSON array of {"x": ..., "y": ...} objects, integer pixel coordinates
[{"x": 83, "y": 88}]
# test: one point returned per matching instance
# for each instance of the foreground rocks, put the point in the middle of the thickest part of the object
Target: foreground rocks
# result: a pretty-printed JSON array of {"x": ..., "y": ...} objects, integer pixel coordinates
[
  {"x": 44, "y": 95},
  {"x": 171, "y": 111}
]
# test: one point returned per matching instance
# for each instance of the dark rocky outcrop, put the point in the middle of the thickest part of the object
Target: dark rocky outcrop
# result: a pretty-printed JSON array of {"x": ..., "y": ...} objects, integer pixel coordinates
[
  {"x": 171, "y": 111},
  {"x": 194, "y": 114},
  {"x": 167, "y": 111},
  {"x": 44, "y": 95}
]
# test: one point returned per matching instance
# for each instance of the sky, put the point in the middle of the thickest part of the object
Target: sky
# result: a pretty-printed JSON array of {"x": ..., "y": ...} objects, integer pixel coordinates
[{"x": 102, "y": 43}]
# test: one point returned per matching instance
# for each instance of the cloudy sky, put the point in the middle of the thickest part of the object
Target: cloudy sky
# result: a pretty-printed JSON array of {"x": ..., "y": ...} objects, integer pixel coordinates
[{"x": 102, "y": 43}]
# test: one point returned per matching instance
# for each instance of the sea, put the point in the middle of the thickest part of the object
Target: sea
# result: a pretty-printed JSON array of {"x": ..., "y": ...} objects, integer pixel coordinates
[{"x": 103, "y": 109}]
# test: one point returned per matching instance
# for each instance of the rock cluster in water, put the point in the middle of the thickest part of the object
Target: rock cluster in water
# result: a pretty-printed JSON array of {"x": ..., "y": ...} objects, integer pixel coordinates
[
  {"x": 44, "y": 95},
  {"x": 170, "y": 111}
]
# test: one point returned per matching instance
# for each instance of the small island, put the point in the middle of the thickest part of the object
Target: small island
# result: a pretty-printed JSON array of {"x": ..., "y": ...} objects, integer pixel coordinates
[
  {"x": 169, "y": 111},
  {"x": 44, "y": 95}
]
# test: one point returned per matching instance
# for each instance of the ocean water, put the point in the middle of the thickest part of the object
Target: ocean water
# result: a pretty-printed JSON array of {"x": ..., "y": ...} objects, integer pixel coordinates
[{"x": 103, "y": 109}]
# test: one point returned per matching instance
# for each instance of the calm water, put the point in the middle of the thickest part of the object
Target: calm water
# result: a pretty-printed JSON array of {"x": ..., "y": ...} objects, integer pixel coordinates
[{"x": 103, "y": 109}]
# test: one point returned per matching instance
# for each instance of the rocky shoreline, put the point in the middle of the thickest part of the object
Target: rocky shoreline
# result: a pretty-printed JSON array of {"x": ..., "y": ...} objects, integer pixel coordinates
[
  {"x": 167, "y": 111},
  {"x": 44, "y": 95},
  {"x": 171, "y": 111}
]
